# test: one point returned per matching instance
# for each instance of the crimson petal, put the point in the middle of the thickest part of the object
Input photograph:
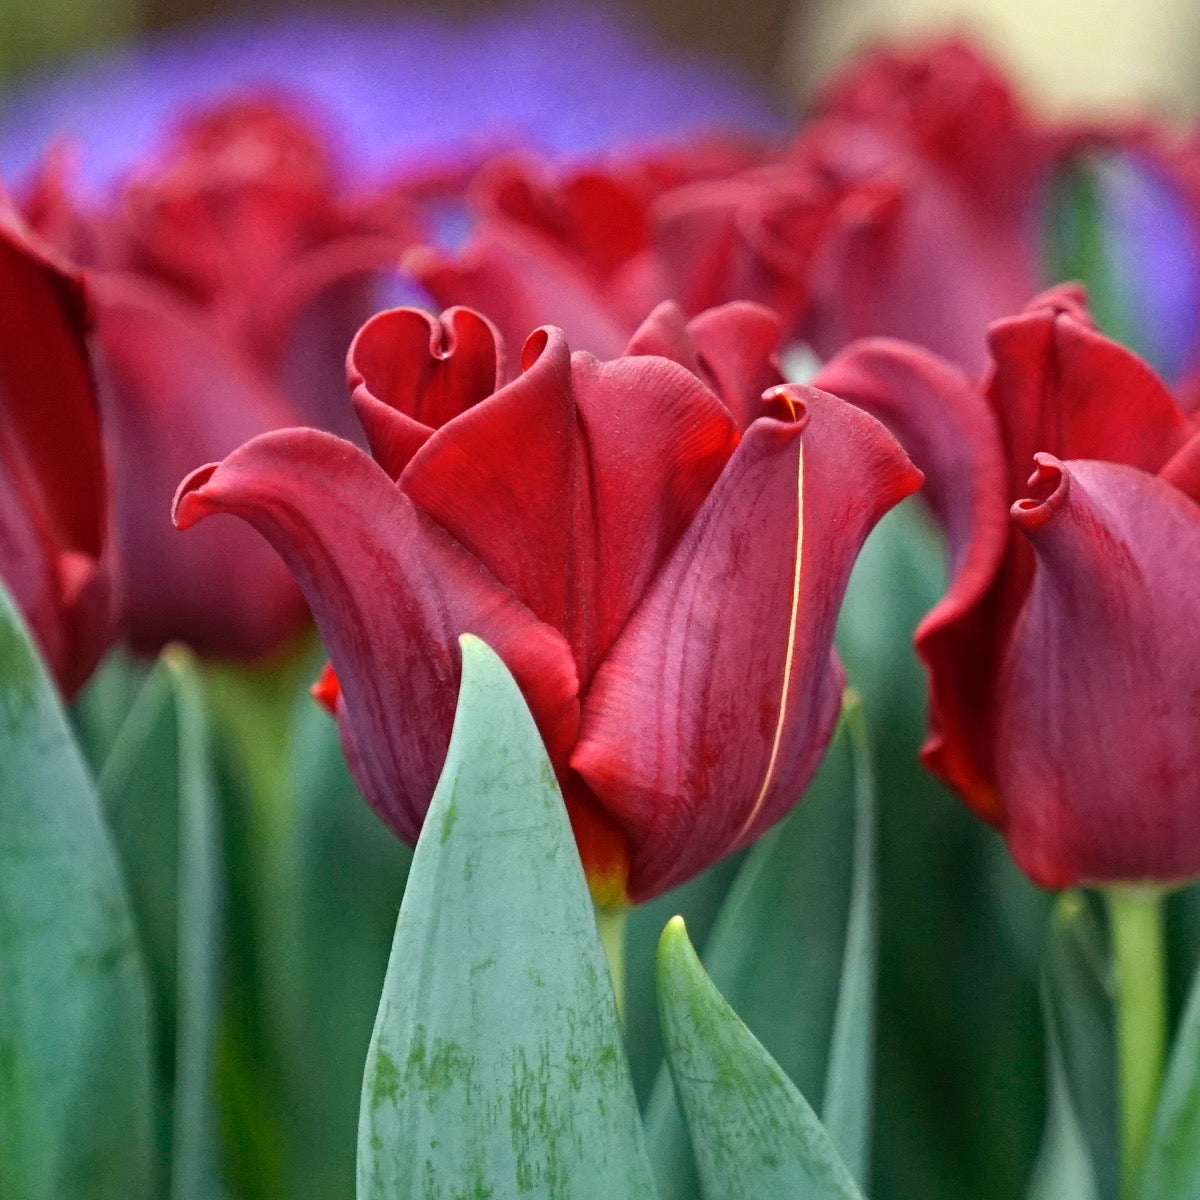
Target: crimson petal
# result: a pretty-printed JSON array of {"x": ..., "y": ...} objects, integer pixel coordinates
[
  {"x": 410, "y": 373},
  {"x": 943, "y": 421},
  {"x": 391, "y": 593},
  {"x": 1061, "y": 387},
  {"x": 1097, "y": 749},
  {"x": 522, "y": 281},
  {"x": 180, "y": 394},
  {"x": 735, "y": 634}
]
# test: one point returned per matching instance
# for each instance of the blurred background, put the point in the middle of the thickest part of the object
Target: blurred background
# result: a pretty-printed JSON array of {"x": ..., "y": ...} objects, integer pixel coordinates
[{"x": 1070, "y": 52}]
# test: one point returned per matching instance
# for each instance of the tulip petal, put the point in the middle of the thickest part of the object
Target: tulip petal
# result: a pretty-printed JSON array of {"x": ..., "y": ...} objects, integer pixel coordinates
[
  {"x": 522, "y": 281},
  {"x": 1097, "y": 749},
  {"x": 734, "y": 348},
  {"x": 181, "y": 395},
  {"x": 735, "y": 634},
  {"x": 1061, "y": 387},
  {"x": 410, "y": 373},
  {"x": 738, "y": 345},
  {"x": 616, "y": 459},
  {"x": 463, "y": 478},
  {"x": 54, "y": 537},
  {"x": 391, "y": 593},
  {"x": 943, "y": 421}
]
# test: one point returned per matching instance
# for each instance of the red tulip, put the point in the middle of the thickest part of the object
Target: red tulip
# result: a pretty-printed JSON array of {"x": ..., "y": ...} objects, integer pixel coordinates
[
  {"x": 228, "y": 276},
  {"x": 1064, "y": 670},
  {"x": 657, "y": 553},
  {"x": 54, "y": 546}
]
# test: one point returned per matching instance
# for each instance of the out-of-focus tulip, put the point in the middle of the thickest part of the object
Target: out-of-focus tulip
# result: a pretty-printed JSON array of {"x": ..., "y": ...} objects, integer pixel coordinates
[
  {"x": 54, "y": 526},
  {"x": 914, "y": 159},
  {"x": 228, "y": 274},
  {"x": 1064, "y": 670},
  {"x": 658, "y": 553}
]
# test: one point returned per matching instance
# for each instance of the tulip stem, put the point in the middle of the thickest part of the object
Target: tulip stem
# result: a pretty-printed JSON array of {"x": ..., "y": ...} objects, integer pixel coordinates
[
  {"x": 1136, "y": 927},
  {"x": 611, "y": 924}
]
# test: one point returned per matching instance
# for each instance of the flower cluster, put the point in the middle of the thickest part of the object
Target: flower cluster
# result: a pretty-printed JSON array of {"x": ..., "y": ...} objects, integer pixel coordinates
[{"x": 593, "y": 460}]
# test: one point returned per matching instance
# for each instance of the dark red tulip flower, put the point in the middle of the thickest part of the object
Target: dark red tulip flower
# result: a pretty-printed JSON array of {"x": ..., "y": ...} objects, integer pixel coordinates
[
  {"x": 657, "y": 548},
  {"x": 54, "y": 544},
  {"x": 228, "y": 277},
  {"x": 1063, "y": 662},
  {"x": 572, "y": 245}
]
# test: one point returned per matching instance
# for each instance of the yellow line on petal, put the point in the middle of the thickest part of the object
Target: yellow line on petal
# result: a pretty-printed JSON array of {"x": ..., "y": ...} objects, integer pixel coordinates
[{"x": 791, "y": 651}]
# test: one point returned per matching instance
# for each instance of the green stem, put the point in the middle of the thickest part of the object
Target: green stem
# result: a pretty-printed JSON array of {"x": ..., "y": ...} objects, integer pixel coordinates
[
  {"x": 611, "y": 924},
  {"x": 1136, "y": 924}
]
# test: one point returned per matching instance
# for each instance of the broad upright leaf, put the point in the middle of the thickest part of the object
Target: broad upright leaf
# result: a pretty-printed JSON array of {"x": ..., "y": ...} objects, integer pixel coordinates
[
  {"x": 496, "y": 1067},
  {"x": 792, "y": 950},
  {"x": 75, "y": 1079},
  {"x": 158, "y": 789},
  {"x": 1172, "y": 1166},
  {"x": 754, "y": 1135}
]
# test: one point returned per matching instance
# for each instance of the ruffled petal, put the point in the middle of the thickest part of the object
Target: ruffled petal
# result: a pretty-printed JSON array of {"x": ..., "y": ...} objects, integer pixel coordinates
[
  {"x": 179, "y": 395},
  {"x": 410, "y": 373},
  {"x": 521, "y": 281},
  {"x": 391, "y": 593},
  {"x": 466, "y": 478},
  {"x": 943, "y": 421},
  {"x": 708, "y": 717},
  {"x": 615, "y": 460},
  {"x": 1098, "y": 722},
  {"x": 1061, "y": 387}
]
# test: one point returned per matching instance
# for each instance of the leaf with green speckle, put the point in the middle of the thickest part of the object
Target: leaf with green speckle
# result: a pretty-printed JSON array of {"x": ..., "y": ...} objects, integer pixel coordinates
[
  {"x": 496, "y": 1068},
  {"x": 753, "y": 1134},
  {"x": 75, "y": 1076},
  {"x": 793, "y": 951}
]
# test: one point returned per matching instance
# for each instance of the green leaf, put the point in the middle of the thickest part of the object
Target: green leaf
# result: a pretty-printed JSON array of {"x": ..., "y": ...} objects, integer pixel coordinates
[
  {"x": 158, "y": 789},
  {"x": 698, "y": 901},
  {"x": 496, "y": 1067},
  {"x": 75, "y": 1079},
  {"x": 847, "y": 1105},
  {"x": 792, "y": 950},
  {"x": 1064, "y": 1167},
  {"x": 754, "y": 1135},
  {"x": 333, "y": 910},
  {"x": 1172, "y": 1166},
  {"x": 1077, "y": 1006},
  {"x": 101, "y": 708}
]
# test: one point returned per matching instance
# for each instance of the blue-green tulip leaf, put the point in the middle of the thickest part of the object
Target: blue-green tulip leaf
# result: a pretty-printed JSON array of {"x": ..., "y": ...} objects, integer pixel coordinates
[
  {"x": 332, "y": 913},
  {"x": 1064, "y": 1168},
  {"x": 754, "y": 1135},
  {"x": 1172, "y": 1166},
  {"x": 159, "y": 792},
  {"x": 75, "y": 1069},
  {"x": 496, "y": 1068},
  {"x": 793, "y": 951},
  {"x": 1077, "y": 1007}
]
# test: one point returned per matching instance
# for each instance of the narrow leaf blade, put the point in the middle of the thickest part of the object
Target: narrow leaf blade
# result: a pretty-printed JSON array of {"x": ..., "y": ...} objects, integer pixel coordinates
[
  {"x": 753, "y": 1134},
  {"x": 158, "y": 788},
  {"x": 779, "y": 953},
  {"x": 1173, "y": 1157}
]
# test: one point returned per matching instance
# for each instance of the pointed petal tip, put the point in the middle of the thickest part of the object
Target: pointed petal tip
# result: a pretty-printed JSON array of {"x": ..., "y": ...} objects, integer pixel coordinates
[
  {"x": 1049, "y": 484},
  {"x": 191, "y": 504}
]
